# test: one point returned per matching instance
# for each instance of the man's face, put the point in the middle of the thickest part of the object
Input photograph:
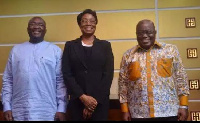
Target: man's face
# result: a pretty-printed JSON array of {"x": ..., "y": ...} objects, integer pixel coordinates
[
  {"x": 36, "y": 29},
  {"x": 146, "y": 34},
  {"x": 88, "y": 24}
]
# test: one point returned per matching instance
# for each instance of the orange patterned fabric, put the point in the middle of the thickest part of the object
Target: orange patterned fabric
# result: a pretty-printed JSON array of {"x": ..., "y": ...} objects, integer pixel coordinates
[
  {"x": 134, "y": 70},
  {"x": 152, "y": 81},
  {"x": 124, "y": 107},
  {"x": 149, "y": 84},
  {"x": 183, "y": 100},
  {"x": 164, "y": 67}
]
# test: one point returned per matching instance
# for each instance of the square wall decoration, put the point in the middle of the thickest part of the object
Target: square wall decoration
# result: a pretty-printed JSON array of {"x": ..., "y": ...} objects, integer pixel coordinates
[
  {"x": 190, "y": 22},
  {"x": 192, "y": 53},
  {"x": 195, "y": 115},
  {"x": 194, "y": 84}
]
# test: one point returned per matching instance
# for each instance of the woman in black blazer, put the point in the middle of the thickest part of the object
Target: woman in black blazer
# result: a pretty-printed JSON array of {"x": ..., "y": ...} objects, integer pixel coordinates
[{"x": 88, "y": 66}]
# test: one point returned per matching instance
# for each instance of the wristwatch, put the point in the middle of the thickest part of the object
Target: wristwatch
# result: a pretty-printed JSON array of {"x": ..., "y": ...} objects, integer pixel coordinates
[{"x": 185, "y": 107}]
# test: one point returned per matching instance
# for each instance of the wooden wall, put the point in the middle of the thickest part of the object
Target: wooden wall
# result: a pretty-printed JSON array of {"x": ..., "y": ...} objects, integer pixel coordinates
[{"x": 117, "y": 21}]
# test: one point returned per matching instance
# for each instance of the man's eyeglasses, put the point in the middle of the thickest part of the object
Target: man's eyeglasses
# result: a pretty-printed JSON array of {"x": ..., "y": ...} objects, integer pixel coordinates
[
  {"x": 36, "y": 24},
  {"x": 84, "y": 21},
  {"x": 141, "y": 33}
]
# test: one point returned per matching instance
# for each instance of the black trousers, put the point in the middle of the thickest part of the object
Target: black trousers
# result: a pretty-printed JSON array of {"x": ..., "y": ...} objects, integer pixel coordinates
[{"x": 173, "y": 118}]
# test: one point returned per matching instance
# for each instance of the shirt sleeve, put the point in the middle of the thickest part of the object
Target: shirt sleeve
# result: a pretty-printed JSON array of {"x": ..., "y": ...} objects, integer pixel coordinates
[
  {"x": 60, "y": 86},
  {"x": 123, "y": 80},
  {"x": 180, "y": 75},
  {"x": 7, "y": 85},
  {"x": 123, "y": 83},
  {"x": 124, "y": 107}
]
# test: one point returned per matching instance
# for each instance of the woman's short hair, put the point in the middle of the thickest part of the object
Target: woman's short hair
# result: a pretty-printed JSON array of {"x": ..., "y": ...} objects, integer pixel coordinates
[{"x": 86, "y": 11}]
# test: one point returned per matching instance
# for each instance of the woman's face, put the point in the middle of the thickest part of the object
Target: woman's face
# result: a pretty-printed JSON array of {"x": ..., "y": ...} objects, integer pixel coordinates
[{"x": 88, "y": 24}]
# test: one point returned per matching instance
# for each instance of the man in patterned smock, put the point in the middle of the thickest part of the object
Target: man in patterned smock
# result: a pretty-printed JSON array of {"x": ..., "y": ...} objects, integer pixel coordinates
[{"x": 152, "y": 80}]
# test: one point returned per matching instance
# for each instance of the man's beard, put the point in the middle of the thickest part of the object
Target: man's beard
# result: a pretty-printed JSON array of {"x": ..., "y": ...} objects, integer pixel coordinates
[{"x": 36, "y": 40}]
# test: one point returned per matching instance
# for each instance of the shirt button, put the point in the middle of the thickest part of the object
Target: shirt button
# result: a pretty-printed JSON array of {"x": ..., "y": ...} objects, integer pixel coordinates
[{"x": 86, "y": 71}]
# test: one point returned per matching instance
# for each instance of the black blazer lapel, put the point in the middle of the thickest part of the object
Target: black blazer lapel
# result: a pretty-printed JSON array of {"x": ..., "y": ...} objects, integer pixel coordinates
[
  {"x": 80, "y": 51},
  {"x": 97, "y": 52},
  {"x": 95, "y": 48}
]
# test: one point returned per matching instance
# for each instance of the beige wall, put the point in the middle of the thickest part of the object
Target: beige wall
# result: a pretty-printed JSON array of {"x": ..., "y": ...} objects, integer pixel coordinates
[{"x": 117, "y": 21}]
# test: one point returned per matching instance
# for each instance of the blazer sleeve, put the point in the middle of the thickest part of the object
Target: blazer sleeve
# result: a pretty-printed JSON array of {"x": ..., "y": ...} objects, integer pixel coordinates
[
  {"x": 68, "y": 76},
  {"x": 108, "y": 72}
]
